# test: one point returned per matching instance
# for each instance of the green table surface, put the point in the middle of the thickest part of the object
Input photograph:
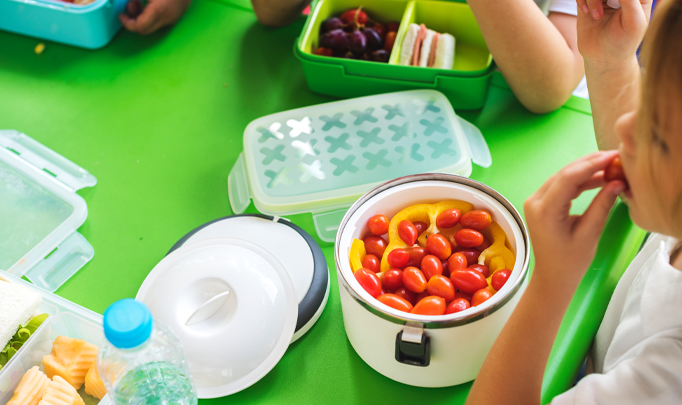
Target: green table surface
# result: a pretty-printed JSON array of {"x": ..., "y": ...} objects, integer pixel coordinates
[{"x": 159, "y": 121}]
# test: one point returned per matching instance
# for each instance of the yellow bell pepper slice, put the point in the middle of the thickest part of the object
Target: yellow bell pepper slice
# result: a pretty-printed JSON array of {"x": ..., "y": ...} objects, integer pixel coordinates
[
  {"x": 357, "y": 253},
  {"x": 496, "y": 234}
]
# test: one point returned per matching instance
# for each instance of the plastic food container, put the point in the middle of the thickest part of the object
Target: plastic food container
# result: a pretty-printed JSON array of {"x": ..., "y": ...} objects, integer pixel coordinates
[
  {"x": 66, "y": 319},
  {"x": 90, "y": 26},
  {"x": 320, "y": 159},
  {"x": 41, "y": 212},
  {"x": 466, "y": 85},
  {"x": 427, "y": 351}
]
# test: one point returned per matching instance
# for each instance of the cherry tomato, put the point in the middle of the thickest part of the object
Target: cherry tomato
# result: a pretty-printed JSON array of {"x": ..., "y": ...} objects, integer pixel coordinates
[
  {"x": 319, "y": 51},
  {"x": 408, "y": 295},
  {"x": 398, "y": 258},
  {"x": 392, "y": 26},
  {"x": 422, "y": 295},
  {"x": 395, "y": 302},
  {"x": 448, "y": 218},
  {"x": 375, "y": 245},
  {"x": 470, "y": 254},
  {"x": 349, "y": 16},
  {"x": 413, "y": 279},
  {"x": 485, "y": 245},
  {"x": 371, "y": 262},
  {"x": 446, "y": 268},
  {"x": 458, "y": 304},
  {"x": 485, "y": 270},
  {"x": 407, "y": 232},
  {"x": 438, "y": 246},
  {"x": 614, "y": 171},
  {"x": 421, "y": 227},
  {"x": 393, "y": 279},
  {"x": 457, "y": 261},
  {"x": 441, "y": 286},
  {"x": 378, "y": 225},
  {"x": 369, "y": 281},
  {"x": 476, "y": 219},
  {"x": 468, "y": 238},
  {"x": 430, "y": 306},
  {"x": 468, "y": 280},
  {"x": 431, "y": 266},
  {"x": 481, "y": 296},
  {"x": 378, "y": 27},
  {"x": 461, "y": 294},
  {"x": 416, "y": 256},
  {"x": 500, "y": 279}
]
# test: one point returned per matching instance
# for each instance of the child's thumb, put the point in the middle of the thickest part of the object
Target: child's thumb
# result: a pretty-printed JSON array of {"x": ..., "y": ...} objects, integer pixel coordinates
[{"x": 594, "y": 219}]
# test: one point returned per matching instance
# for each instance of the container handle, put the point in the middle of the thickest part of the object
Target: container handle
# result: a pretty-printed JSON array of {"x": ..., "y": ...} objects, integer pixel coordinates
[
  {"x": 62, "y": 263},
  {"x": 238, "y": 186},
  {"x": 327, "y": 224},
  {"x": 413, "y": 347},
  {"x": 478, "y": 148}
]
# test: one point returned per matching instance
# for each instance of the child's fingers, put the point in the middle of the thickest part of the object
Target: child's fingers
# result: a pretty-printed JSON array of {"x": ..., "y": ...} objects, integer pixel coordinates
[
  {"x": 145, "y": 21},
  {"x": 592, "y": 222},
  {"x": 633, "y": 17},
  {"x": 582, "y": 5},
  {"x": 596, "y": 8},
  {"x": 596, "y": 181}
]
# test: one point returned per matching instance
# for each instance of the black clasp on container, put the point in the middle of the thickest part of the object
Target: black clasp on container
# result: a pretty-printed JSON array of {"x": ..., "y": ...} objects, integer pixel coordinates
[{"x": 414, "y": 354}]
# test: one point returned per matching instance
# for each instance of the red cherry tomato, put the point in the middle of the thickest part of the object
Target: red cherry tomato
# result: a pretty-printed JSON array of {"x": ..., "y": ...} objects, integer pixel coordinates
[
  {"x": 378, "y": 225},
  {"x": 407, "y": 232},
  {"x": 422, "y": 295},
  {"x": 322, "y": 51},
  {"x": 378, "y": 27},
  {"x": 446, "y": 268},
  {"x": 480, "y": 297},
  {"x": 349, "y": 16},
  {"x": 395, "y": 302},
  {"x": 470, "y": 254},
  {"x": 468, "y": 238},
  {"x": 430, "y": 305},
  {"x": 500, "y": 279},
  {"x": 448, "y": 218},
  {"x": 476, "y": 219},
  {"x": 393, "y": 279},
  {"x": 461, "y": 294},
  {"x": 392, "y": 26},
  {"x": 438, "y": 246},
  {"x": 416, "y": 256},
  {"x": 614, "y": 171},
  {"x": 375, "y": 245},
  {"x": 408, "y": 295},
  {"x": 421, "y": 227},
  {"x": 389, "y": 41},
  {"x": 468, "y": 280},
  {"x": 441, "y": 286},
  {"x": 398, "y": 258},
  {"x": 431, "y": 266},
  {"x": 485, "y": 245},
  {"x": 458, "y": 304},
  {"x": 413, "y": 279},
  {"x": 371, "y": 262},
  {"x": 457, "y": 261},
  {"x": 485, "y": 270},
  {"x": 369, "y": 281}
]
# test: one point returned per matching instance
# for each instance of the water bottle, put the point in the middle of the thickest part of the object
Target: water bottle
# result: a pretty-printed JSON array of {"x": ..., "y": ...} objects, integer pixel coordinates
[{"x": 142, "y": 362}]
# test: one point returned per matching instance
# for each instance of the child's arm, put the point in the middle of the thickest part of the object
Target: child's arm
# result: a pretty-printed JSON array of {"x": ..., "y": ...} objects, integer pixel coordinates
[
  {"x": 157, "y": 14},
  {"x": 277, "y": 13},
  {"x": 538, "y": 56},
  {"x": 564, "y": 246},
  {"x": 608, "y": 45}
]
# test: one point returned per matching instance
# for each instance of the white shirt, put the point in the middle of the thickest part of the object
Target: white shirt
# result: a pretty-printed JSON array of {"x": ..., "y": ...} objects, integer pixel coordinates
[
  {"x": 570, "y": 7},
  {"x": 637, "y": 352}
]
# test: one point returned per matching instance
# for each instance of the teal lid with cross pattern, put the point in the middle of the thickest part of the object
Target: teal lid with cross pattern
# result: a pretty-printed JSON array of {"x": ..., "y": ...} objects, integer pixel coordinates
[{"x": 320, "y": 159}]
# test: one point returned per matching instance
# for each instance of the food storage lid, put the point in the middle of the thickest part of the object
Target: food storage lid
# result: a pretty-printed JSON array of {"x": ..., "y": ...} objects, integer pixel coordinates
[
  {"x": 320, "y": 159},
  {"x": 232, "y": 302},
  {"x": 41, "y": 212}
]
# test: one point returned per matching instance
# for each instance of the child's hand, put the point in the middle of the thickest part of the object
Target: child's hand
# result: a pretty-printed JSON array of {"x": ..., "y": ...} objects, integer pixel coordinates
[
  {"x": 565, "y": 244},
  {"x": 611, "y": 36},
  {"x": 157, "y": 14}
]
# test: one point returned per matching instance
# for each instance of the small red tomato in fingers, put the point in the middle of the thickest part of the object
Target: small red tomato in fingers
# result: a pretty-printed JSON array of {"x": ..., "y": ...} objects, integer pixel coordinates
[
  {"x": 470, "y": 254},
  {"x": 408, "y": 295},
  {"x": 457, "y": 305},
  {"x": 375, "y": 245},
  {"x": 398, "y": 258},
  {"x": 407, "y": 232},
  {"x": 441, "y": 286},
  {"x": 485, "y": 270},
  {"x": 481, "y": 296},
  {"x": 393, "y": 279},
  {"x": 395, "y": 302},
  {"x": 614, "y": 171},
  {"x": 468, "y": 238},
  {"x": 378, "y": 225},
  {"x": 468, "y": 280},
  {"x": 476, "y": 219},
  {"x": 430, "y": 305},
  {"x": 457, "y": 261},
  {"x": 500, "y": 279},
  {"x": 416, "y": 256},
  {"x": 421, "y": 227},
  {"x": 369, "y": 281},
  {"x": 371, "y": 262},
  {"x": 448, "y": 218},
  {"x": 414, "y": 280},
  {"x": 431, "y": 266},
  {"x": 438, "y": 246}
]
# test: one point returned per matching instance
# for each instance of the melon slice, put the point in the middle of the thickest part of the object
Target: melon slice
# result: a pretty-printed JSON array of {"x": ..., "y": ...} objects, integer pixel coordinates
[
  {"x": 60, "y": 392},
  {"x": 30, "y": 389},
  {"x": 93, "y": 383},
  {"x": 70, "y": 359}
]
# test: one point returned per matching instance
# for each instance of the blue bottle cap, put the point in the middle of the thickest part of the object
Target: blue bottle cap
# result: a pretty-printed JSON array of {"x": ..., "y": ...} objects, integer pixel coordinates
[{"x": 127, "y": 323}]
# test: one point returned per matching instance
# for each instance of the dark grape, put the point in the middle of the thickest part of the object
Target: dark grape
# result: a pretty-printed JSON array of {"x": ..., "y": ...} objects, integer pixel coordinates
[
  {"x": 358, "y": 42},
  {"x": 331, "y": 23},
  {"x": 349, "y": 55},
  {"x": 378, "y": 27},
  {"x": 379, "y": 56},
  {"x": 373, "y": 39},
  {"x": 335, "y": 40}
]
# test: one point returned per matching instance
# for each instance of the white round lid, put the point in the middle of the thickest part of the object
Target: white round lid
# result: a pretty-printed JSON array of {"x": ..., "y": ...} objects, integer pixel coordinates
[{"x": 233, "y": 306}]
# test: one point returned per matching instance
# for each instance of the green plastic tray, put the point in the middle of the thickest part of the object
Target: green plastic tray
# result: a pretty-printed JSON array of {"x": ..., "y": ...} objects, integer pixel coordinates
[{"x": 465, "y": 86}]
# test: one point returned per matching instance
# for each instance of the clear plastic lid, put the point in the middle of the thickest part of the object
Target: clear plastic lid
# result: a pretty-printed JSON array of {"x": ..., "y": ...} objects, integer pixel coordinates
[{"x": 320, "y": 159}]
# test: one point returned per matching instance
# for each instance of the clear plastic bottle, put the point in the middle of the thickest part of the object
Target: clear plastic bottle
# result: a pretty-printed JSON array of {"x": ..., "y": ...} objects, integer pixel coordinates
[{"x": 142, "y": 362}]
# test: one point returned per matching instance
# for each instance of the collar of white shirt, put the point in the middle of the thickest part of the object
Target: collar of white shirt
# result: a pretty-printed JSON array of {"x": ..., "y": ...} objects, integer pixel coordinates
[{"x": 661, "y": 304}]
